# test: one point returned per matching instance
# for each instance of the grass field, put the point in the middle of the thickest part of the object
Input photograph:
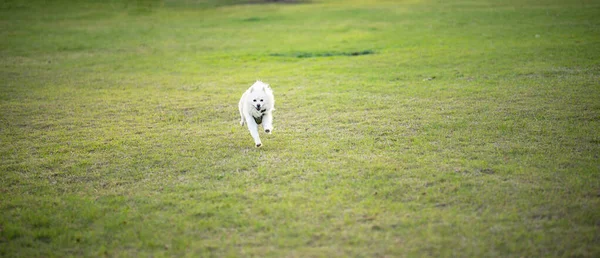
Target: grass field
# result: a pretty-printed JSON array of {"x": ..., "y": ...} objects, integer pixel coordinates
[{"x": 409, "y": 128}]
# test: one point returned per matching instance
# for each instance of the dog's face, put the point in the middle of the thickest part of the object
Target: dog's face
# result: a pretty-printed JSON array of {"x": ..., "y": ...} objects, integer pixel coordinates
[{"x": 258, "y": 98}]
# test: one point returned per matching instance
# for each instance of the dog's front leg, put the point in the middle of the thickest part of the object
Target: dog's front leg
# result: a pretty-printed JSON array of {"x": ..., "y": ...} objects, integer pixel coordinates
[
  {"x": 268, "y": 122},
  {"x": 253, "y": 128}
]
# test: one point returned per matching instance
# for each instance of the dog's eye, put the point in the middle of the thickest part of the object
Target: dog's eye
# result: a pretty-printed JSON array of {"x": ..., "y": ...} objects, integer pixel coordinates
[
  {"x": 254, "y": 100},
  {"x": 261, "y": 100}
]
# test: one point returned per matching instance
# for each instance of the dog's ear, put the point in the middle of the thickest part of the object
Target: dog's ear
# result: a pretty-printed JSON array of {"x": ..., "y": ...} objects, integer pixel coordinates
[
  {"x": 264, "y": 89},
  {"x": 251, "y": 89}
]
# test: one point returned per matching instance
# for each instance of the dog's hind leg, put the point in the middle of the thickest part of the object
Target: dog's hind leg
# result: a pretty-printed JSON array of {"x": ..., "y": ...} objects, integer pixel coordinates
[{"x": 242, "y": 120}]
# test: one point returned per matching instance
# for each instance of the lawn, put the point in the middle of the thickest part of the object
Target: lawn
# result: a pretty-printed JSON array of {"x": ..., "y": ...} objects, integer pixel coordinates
[{"x": 417, "y": 128}]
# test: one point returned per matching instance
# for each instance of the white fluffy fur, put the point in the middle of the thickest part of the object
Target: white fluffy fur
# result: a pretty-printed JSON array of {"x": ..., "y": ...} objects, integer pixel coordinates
[{"x": 257, "y": 103}]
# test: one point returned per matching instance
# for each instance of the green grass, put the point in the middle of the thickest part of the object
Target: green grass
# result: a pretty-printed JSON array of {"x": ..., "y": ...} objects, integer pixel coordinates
[{"x": 459, "y": 128}]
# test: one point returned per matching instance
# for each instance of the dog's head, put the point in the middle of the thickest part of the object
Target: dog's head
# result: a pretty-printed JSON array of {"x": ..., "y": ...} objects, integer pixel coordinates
[{"x": 260, "y": 96}]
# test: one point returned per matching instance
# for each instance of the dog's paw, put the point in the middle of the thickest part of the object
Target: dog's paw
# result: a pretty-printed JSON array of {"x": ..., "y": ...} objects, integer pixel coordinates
[
  {"x": 242, "y": 123},
  {"x": 258, "y": 145},
  {"x": 268, "y": 131}
]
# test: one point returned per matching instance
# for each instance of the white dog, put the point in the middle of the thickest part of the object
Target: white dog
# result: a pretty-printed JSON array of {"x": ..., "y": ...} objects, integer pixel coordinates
[{"x": 256, "y": 107}]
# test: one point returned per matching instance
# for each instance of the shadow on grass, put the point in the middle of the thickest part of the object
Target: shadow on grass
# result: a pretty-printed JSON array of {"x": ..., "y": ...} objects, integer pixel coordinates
[
  {"x": 324, "y": 54},
  {"x": 218, "y": 3}
]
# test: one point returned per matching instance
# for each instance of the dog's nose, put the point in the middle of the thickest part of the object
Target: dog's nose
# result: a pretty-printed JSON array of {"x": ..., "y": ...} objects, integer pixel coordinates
[{"x": 257, "y": 106}]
